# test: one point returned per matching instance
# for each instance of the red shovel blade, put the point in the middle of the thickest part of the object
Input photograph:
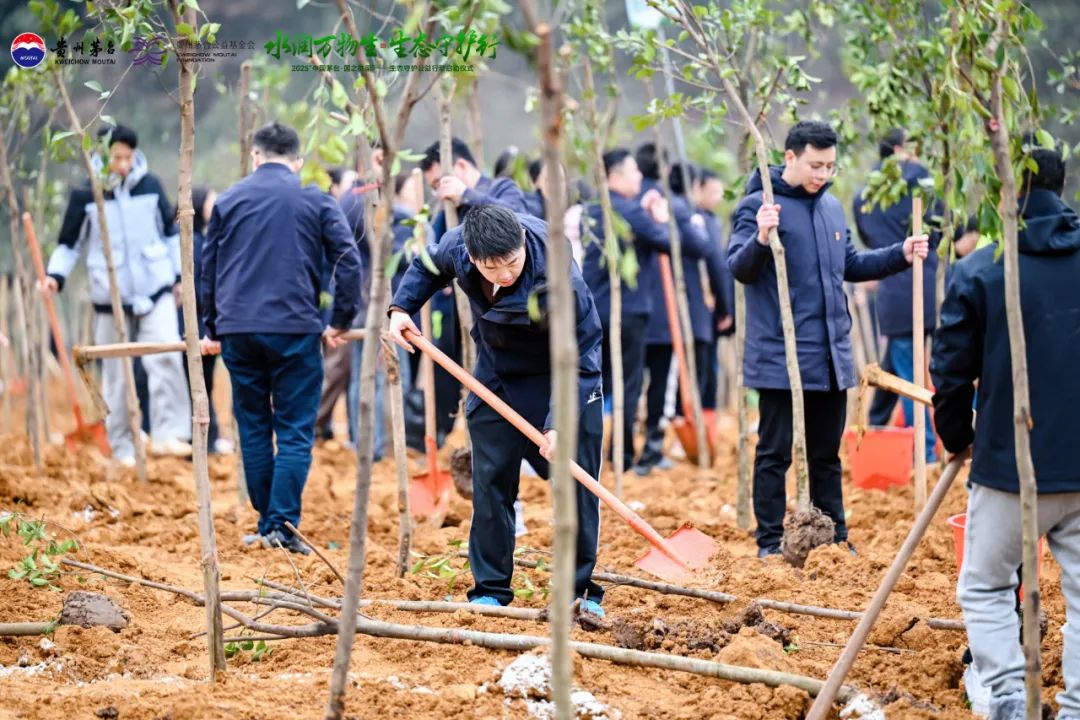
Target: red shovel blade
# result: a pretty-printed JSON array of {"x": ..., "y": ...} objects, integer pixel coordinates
[
  {"x": 430, "y": 496},
  {"x": 687, "y": 434},
  {"x": 694, "y": 547},
  {"x": 93, "y": 434}
]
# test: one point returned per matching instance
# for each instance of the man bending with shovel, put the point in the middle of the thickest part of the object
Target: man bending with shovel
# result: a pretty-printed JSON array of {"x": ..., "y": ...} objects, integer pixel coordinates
[{"x": 498, "y": 257}]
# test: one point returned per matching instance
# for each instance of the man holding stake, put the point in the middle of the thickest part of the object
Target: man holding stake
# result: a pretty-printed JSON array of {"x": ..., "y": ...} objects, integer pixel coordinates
[
  {"x": 820, "y": 258},
  {"x": 972, "y": 346},
  {"x": 260, "y": 301},
  {"x": 498, "y": 257}
]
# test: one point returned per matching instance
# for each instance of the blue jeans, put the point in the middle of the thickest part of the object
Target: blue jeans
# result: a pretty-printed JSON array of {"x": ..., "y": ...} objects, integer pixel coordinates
[
  {"x": 901, "y": 358},
  {"x": 276, "y": 381},
  {"x": 352, "y": 396}
]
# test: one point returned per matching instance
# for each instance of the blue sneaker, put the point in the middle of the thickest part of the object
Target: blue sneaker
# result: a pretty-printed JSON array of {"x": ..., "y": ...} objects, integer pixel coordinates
[
  {"x": 485, "y": 600},
  {"x": 592, "y": 607}
]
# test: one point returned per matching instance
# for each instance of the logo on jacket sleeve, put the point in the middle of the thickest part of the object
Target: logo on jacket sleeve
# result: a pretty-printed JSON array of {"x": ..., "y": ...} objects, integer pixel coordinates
[{"x": 28, "y": 50}]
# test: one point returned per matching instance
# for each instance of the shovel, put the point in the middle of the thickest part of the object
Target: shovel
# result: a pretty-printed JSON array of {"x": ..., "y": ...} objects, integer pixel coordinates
[
  {"x": 429, "y": 492},
  {"x": 684, "y": 426},
  {"x": 673, "y": 559},
  {"x": 93, "y": 433}
]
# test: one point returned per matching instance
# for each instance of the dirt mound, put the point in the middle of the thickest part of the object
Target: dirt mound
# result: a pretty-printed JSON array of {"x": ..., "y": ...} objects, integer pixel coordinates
[
  {"x": 804, "y": 531},
  {"x": 749, "y": 649},
  {"x": 461, "y": 471}
]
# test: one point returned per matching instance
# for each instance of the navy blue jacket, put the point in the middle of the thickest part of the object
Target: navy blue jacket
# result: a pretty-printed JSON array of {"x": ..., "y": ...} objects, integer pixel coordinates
[
  {"x": 820, "y": 257},
  {"x": 488, "y": 191},
  {"x": 512, "y": 349},
  {"x": 263, "y": 253},
  {"x": 972, "y": 344},
  {"x": 702, "y": 319},
  {"x": 352, "y": 205},
  {"x": 535, "y": 205},
  {"x": 880, "y": 228},
  {"x": 648, "y": 238}
]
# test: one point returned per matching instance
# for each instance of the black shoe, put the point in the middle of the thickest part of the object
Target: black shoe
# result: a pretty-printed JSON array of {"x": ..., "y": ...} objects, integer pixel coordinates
[
  {"x": 290, "y": 542},
  {"x": 765, "y": 552}
]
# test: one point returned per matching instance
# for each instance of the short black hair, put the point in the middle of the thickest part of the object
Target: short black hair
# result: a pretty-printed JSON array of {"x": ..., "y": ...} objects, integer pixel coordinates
[
  {"x": 277, "y": 140},
  {"x": 890, "y": 141},
  {"x": 119, "y": 134},
  {"x": 810, "y": 132},
  {"x": 399, "y": 181},
  {"x": 963, "y": 228},
  {"x": 677, "y": 182},
  {"x": 647, "y": 161},
  {"x": 707, "y": 174},
  {"x": 504, "y": 163},
  {"x": 581, "y": 191},
  {"x": 614, "y": 158},
  {"x": 491, "y": 232},
  {"x": 1051, "y": 174},
  {"x": 335, "y": 173},
  {"x": 458, "y": 150},
  {"x": 534, "y": 169}
]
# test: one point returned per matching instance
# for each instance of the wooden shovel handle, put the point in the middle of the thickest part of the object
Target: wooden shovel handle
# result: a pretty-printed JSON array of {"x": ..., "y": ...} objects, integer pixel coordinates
[
  {"x": 887, "y": 381},
  {"x": 677, "y": 345}
]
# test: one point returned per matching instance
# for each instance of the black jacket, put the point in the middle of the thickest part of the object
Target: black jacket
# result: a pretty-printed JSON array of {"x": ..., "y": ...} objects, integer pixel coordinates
[
  {"x": 972, "y": 344},
  {"x": 512, "y": 349}
]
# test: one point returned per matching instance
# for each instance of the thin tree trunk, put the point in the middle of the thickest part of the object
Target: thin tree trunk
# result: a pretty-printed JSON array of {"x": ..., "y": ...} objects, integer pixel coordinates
[
  {"x": 5, "y": 353},
  {"x": 23, "y": 293},
  {"x": 787, "y": 320},
  {"x": 564, "y": 364},
  {"x": 246, "y": 117},
  {"x": 401, "y": 460},
  {"x": 44, "y": 355},
  {"x": 866, "y": 325},
  {"x": 611, "y": 257},
  {"x": 701, "y": 432},
  {"x": 200, "y": 401},
  {"x": 1022, "y": 420},
  {"x": 119, "y": 322}
]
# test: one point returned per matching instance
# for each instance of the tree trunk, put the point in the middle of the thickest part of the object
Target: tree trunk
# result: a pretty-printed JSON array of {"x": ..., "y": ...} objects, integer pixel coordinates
[
  {"x": 611, "y": 257},
  {"x": 116, "y": 305},
  {"x": 401, "y": 460},
  {"x": 476, "y": 122},
  {"x": 682, "y": 303},
  {"x": 200, "y": 401},
  {"x": 1022, "y": 420},
  {"x": 564, "y": 364},
  {"x": 5, "y": 354},
  {"x": 918, "y": 355},
  {"x": 23, "y": 290},
  {"x": 246, "y": 117}
]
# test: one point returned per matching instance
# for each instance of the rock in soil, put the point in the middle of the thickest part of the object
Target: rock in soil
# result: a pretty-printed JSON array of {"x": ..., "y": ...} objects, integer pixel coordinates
[
  {"x": 804, "y": 531},
  {"x": 658, "y": 635},
  {"x": 752, "y": 617},
  {"x": 461, "y": 471},
  {"x": 91, "y": 609}
]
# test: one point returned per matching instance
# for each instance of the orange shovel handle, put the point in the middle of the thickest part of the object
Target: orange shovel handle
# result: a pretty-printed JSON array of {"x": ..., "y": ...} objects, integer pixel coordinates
[
  {"x": 54, "y": 321},
  {"x": 636, "y": 522},
  {"x": 677, "y": 347}
]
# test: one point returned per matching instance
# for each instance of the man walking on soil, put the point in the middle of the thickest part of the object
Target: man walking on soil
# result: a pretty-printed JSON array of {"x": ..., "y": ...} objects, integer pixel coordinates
[
  {"x": 972, "y": 346},
  {"x": 820, "y": 258},
  {"x": 146, "y": 253},
  {"x": 264, "y": 249},
  {"x": 498, "y": 258}
]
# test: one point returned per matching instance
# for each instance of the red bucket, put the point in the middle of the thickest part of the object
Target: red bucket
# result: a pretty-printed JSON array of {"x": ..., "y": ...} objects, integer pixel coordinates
[
  {"x": 882, "y": 459},
  {"x": 957, "y": 523}
]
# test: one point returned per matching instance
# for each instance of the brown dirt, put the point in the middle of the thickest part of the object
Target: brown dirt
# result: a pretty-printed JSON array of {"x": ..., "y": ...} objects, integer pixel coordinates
[
  {"x": 157, "y": 666},
  {"x": 461, "y": 471},
  {"x": 804, "y": 531}
]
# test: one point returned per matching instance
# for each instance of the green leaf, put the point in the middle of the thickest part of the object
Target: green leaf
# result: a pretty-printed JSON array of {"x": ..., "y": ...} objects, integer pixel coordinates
[
  {"x": 93, "y": 85},
  {"x": 338, "y": 96},
  {"x": 184, "y": 29},
  {"x": 1045, "y": 139},
  {"x": 55, "y": 139},
  {"x": 38, "y": 581},
  {"x": 193, "y": 4}
]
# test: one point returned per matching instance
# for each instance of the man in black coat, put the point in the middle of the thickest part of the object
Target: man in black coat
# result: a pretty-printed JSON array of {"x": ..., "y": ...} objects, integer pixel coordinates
[{"x": 972, "y": 346}]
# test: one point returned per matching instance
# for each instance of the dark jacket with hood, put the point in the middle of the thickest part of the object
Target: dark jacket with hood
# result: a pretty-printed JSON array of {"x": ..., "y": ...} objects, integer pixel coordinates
[
  {"x": 972, "y": 344},
  {"x": 488, "y": 191},
  {"x": 884, "y": 227},
  {"x": 820, "y": 257},
  {"x": 512, "y": 353},
  {"x": 648, "y": 237}
]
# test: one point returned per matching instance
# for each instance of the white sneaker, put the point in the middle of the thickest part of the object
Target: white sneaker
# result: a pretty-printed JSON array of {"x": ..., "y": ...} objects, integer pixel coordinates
[
  {"x": 170, "y": 448},
  {"x": 978, "y": 694},
  {"x": 128, "y": 462},
  {"x": 224, "y": 446},
  {"x": 528, "y": 470},
  {"x": 519, "y": 519}
]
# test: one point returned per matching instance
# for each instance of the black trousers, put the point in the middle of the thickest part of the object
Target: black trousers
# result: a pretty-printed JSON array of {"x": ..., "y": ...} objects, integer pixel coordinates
[
  {"x": 496, "y": 465},
  {"x": 825, "y": 413},
  {"x": 658, "y": 363},
  {"x": 633, "y": 361}
]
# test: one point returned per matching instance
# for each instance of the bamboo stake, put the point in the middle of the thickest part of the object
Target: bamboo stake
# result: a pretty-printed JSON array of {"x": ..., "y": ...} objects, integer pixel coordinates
[
  {"x": 823, "y": 705},
  {"x": 116, "y": 304},
  {"x": 744, "y": 491},
  {"x": 919, "y": 362}
]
